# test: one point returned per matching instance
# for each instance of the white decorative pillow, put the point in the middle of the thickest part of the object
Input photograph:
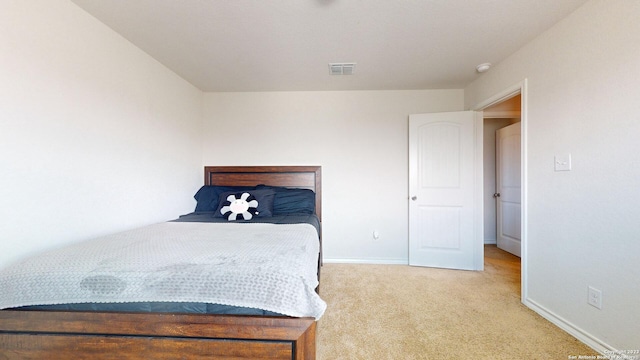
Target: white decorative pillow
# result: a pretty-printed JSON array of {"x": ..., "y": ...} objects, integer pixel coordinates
[
  {"x": 264, "y": 208},
  {"x": 243, "y": 205}
]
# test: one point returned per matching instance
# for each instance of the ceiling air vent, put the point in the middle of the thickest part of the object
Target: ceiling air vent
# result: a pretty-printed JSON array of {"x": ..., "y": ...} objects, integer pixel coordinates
[{"x": 341, "y": 68}]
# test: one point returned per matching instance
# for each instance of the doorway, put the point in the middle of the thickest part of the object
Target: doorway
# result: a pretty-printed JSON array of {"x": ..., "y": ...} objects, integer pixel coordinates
[
  {"x": 496, "y": 107},
  {"x": 501, "y": 168}
]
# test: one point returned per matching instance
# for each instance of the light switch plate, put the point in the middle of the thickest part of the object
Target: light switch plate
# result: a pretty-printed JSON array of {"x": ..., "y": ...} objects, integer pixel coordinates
[{"x": 563, "y": 162}]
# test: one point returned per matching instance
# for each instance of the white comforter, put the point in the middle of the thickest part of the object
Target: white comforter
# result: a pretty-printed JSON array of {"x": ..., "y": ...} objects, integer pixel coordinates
[{"x": 265, "y": 266}]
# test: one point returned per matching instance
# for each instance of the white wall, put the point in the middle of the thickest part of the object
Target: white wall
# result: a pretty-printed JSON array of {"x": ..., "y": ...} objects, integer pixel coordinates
[
  {"x": 95, "y": 135},
  {"x": 359, "y": 137},
  {"x": 583, "y": 225}
]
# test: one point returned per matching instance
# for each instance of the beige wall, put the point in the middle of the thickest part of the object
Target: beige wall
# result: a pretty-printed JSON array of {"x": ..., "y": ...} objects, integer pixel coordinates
[
  {"x": 359, "y": 137},
  {"x": 95, "y": 135},
  {"x": 583, "y": 227}
]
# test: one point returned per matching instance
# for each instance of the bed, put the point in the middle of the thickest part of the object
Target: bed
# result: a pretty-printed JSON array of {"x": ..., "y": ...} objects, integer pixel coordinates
[{"x": 64, "y": 334}]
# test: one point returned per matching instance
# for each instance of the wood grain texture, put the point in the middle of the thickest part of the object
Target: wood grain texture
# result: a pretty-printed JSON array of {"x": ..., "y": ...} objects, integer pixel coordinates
[
  {"x": 65, "y": 347},
  {"x": 112, "y": 335},
  {"x": 65, "y": 335},
  {"x": 304, "y": 177}
]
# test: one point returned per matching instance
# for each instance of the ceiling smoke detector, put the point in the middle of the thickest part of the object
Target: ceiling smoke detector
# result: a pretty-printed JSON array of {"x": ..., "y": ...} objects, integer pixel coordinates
[
  {"x": 483, "y": 67},
  {"x": 341, "y": 68}
]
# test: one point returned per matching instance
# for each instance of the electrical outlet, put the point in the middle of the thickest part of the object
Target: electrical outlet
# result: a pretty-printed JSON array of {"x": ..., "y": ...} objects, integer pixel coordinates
[{"x": 595, "y": 297}]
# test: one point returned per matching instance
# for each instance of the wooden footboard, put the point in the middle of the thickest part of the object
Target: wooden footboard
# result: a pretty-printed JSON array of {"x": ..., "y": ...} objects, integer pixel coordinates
[
  {"x": 100, "y": 335},
  {"x": 108, "y": 335}
]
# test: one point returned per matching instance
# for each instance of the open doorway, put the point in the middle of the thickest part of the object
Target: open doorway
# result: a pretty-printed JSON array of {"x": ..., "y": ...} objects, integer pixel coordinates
[
  {"x": 501, "y": 168},
  {"x": 502, "y": 187},
  {"x": 518, "y": 89}
]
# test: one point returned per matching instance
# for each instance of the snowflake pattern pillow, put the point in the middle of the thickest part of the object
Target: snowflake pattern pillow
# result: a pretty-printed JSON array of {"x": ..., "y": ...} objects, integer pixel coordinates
[{"x": 245, "y": 205}]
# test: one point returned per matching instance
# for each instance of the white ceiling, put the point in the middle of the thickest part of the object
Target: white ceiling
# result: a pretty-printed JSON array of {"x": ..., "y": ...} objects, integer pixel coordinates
[{"x": 286, "y": 45}]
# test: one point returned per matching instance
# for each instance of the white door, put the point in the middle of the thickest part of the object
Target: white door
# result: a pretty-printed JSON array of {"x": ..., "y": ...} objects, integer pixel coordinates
[
  {"x": 508, "y": 206},
  {"x": 445, "y": 190}
]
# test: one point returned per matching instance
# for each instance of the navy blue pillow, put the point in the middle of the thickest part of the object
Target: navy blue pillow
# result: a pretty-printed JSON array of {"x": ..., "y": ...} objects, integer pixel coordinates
[
  {"x": 208, "y": 196},
  {"x": 292, "y": 201},
  {"x": 263, "y": 196}
]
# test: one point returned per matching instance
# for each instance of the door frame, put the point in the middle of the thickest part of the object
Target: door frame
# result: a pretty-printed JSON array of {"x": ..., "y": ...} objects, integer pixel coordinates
[{"x": 518, "y": 88}]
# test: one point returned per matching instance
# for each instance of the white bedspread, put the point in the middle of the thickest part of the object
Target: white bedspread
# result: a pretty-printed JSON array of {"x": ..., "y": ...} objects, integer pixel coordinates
[{"x": 265, "y": 266}]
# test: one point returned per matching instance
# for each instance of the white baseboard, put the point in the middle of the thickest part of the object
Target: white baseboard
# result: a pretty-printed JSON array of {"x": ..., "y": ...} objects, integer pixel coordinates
[
  {"x": 366, "y": 261},
  {"x": 587, "y": 338},
  {"x": 490, "y": 241}
]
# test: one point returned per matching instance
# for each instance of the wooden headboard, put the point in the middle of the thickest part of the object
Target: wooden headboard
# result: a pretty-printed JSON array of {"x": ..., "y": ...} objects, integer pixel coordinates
[{"x": 305, "y": 177}]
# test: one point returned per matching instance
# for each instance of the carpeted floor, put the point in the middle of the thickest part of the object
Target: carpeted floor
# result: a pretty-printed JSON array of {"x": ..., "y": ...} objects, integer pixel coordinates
[{"x": 378, "y": 312}]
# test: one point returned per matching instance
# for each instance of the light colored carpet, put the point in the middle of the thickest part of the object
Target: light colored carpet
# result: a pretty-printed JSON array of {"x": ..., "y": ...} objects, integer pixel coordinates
[{"x": 378, "y": 312}]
